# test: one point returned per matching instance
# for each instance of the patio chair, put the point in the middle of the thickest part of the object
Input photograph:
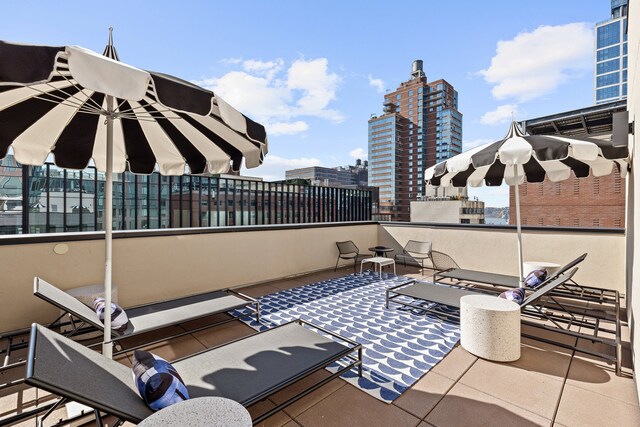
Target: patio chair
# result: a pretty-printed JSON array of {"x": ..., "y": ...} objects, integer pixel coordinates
[
  {"x": 349, "y": 250},
  {"x": 534, "y": 305},
  {"x": 247, "y": 370},
  {"x": 415, "y": 251},
  {"x": 571, "y": 289},
  {"x": 148, "y": 317}
]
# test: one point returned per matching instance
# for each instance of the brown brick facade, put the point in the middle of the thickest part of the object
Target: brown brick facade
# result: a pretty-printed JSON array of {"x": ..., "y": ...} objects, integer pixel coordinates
[{"x": 576, "y": 202}]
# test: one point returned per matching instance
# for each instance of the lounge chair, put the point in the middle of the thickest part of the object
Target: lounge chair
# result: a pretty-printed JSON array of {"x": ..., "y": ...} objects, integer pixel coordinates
[
  {"x": 416, "y": 252},
  {"x": 149, "y": 317},
  {"x": 246, "y": 370},
  {"x": 349, "y": 250},
  {"x": 534, "y": 305},
  {"x": 570, "y": 289}
]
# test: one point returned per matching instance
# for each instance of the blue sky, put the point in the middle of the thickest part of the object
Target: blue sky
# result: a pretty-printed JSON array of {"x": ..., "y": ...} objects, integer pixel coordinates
[{"x": 315, "y": 71}]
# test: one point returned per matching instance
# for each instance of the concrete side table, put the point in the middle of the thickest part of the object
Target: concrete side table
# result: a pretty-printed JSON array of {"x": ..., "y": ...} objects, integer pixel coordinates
[
  {"x": 201, "y": 412},
  {"x": 490, "y": 327},
  {"x": 529, "y": 266}
]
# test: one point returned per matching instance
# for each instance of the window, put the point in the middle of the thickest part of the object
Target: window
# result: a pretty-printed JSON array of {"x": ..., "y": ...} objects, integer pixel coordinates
[
  {"x": 608, "y": 66},
  {"x": 398, "y": 96},
  {"x": 608, "y": 79},
  {"x": 608, "y": 92},
  {"x": 608, "y": 34},
  {"x": 608, "y": 53},
  {"x": 410, "y": 92}
]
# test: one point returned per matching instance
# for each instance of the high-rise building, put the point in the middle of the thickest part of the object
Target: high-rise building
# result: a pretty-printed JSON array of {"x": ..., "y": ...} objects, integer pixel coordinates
[
  {"x": 611, "y": 55},
  {"x": 420, "y": 126}
]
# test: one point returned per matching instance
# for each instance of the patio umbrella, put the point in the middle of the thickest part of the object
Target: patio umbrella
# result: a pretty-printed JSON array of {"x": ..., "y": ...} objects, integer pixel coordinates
[
  {"x": 79, "y": 106},
  {"x": 518, "y": 156}
]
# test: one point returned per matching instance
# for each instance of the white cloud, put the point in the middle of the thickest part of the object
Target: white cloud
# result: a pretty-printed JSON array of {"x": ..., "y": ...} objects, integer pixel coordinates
[
  {"x": 263, "y": 68},
  {"x": 535, "y": 63},
  {"x": 501, "y": 114},
  {"x": 277, "y": 95},
  {"x": 358, "y": 153},
  {"x": 376, "y": 83},
  {"x": 274, "y": 167},
  {"x": 230, "y": 61},
  {"x": 288, "y": 128},
  {"x": 468, "y": 145}
]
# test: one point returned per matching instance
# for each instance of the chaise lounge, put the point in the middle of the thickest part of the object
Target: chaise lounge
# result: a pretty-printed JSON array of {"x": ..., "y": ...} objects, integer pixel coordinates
[
  {"x": 246, "y": 370},
  {"x": 533, "y": 306},
  {"x": 149, "y": 317},
  {"x": 569, "y": 290}
]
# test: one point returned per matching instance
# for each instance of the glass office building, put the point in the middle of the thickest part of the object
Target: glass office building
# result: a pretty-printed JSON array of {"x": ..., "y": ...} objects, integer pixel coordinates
[
  {"x": 611, "y": 55},
  {"x": 48, "y": 199}
]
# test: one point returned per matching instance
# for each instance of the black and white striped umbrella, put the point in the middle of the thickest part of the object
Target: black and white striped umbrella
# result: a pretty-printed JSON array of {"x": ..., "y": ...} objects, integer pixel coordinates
[
  {"x": 518, "y": 156},
  {"x": 79, "y": 106},
  {"x": 536, "y": 157},
  {"x": 54, "y": 100}
]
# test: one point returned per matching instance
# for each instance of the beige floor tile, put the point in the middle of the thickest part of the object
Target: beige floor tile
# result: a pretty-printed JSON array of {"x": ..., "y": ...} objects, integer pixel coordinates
[
  {"x": 219, "y": 335},
  {"x": 526, "y": 389},
  {"x": 464, "y": 406},
  {"x": 545, "y": 359},
  {"x": 256, "y": 291},
  {"x": 308, "y": 401},
  {"x": 57, "y": 415},
  {"x": 22, "y": 397},
  {"x": 292, "y": 424},
  {"x": 176, "y": 348},
  {"x": 601, "y": 378},
  {"x": 9, "y": 376},
  {"x": 352, "y": 407},
  {"x": 627, "y": 359},
  {"x": 423, "y": 396},
  {"x": 584, "y": 408},
  {"x": 150, "y": 336},
  {"x": 286, "y": 284},
  {"x": 276, "y": 420},
  {"x": 548, "y": 334},
  {"x": 205, "y": 321},
  {"x": 455, "y": 363}
]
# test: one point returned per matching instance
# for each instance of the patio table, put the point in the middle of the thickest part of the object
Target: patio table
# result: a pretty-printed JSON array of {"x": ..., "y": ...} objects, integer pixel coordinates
[{"x": 380, "y": 262}]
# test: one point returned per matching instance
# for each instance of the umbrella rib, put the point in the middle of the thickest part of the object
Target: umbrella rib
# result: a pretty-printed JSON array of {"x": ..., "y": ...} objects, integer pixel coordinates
[{"x": 82, "y": 90}]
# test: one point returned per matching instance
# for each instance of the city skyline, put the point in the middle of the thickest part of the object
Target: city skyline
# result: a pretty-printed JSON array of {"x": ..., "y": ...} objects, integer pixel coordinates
[{"x": 314, "y": 73}]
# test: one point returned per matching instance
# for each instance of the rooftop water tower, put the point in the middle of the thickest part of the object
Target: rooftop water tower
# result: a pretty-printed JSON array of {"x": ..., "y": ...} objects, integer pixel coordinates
[{"x": 416, "y": 69}]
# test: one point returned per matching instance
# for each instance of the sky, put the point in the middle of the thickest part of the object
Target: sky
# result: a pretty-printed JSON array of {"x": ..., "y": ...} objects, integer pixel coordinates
[{"x": 315, "y": 71}]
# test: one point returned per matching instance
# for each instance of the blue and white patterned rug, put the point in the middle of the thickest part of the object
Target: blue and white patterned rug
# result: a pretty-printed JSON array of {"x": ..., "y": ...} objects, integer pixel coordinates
[{"x": 399, "y": 345}]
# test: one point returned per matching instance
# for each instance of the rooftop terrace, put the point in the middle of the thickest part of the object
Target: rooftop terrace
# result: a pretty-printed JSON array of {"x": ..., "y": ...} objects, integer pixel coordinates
[{"x": 547, "y": 386}]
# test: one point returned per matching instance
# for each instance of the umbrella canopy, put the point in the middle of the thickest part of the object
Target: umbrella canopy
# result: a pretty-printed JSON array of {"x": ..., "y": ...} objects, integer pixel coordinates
[
  {"x": 80, "y": 106},
  {"x": 54, "y": 100},
  {"x": 518, "y": 156},
  {"x": 536, "y": 157}
]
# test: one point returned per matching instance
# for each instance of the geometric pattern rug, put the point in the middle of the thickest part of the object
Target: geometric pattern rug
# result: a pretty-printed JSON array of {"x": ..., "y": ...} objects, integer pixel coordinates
[{"x": 399, "y": 345}]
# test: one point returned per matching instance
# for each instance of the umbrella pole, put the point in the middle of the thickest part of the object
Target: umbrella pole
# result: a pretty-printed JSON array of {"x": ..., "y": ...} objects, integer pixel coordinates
[
  {"x": 108, "y": 229},
  {"x": 518, "y": 228}
]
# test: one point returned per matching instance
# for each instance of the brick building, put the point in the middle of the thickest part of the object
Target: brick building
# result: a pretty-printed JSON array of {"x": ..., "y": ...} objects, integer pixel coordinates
[
  {"x": 576, "y": 202},
  {"x": 420, "y": 126}
]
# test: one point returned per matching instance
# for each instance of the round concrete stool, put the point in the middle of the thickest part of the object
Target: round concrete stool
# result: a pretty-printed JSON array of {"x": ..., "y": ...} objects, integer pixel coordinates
[
  {"x": 490, "y": 327},
  {"x": 202, "y": 411}
]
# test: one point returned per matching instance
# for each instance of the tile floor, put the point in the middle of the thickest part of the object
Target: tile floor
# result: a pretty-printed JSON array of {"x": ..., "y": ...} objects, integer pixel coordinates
[{"x": 547, "y": 386}]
